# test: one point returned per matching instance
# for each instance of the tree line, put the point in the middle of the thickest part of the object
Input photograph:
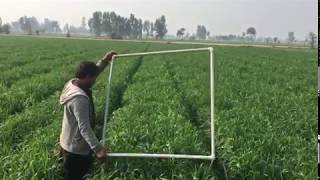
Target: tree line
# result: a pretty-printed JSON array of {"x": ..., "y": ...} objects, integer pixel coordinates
[
  {"x": 4, "y": 28},
  {"x": 118, "y": 27}
]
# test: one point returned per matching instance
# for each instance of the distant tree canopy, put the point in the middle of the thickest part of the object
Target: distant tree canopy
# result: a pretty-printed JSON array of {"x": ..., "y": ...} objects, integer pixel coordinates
[
  {"x": 202, "y": 32},
  {"x": 160, "y": 27},
  {"x": 276, "y": 40},
  {"x": 50, "y": 26},
  {"x": 229, "y": 37},
  {"x": 67, "y": 30},
  {"x": 152, "y": 29},
  {"x": 115, "y": 26},
  {"x": 312, "y": 38},
  {"x": 83, "y": 23},
  {"x": 31, "y": 25},
  {"x": 27, "y": 24},
  {"x": 147, "y": 28},
  {"x": 4, "y": 28},
  {"x": 180, "y": 33},
  {"x": 291, "y": 37},
  {"x": 252, "y": 32},
  {"x": 118, "y": 27},
  {"x": 96, "y": 23}
]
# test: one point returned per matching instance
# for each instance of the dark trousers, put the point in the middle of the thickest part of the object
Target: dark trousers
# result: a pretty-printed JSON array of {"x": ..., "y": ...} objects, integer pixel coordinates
[{"x": 75, "y": 166}]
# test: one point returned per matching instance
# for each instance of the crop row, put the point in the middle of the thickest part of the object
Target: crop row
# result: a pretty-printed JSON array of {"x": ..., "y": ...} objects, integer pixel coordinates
[
  {"x": 263, "y": 109},
  {"x": 265, "y": 116},
  {"x": 27, "y": 92},
  {"x": 36, "y": 140},
  {"x": 36, "y": 68},
  {"x": 29, "y": 51},
  {"x": 262, "y": 106},
  {"x": 152, "y": 119}
]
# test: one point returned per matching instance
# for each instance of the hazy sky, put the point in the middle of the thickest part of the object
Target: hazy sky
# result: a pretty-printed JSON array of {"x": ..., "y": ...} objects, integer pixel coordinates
[{"x": 270, "y": 17}]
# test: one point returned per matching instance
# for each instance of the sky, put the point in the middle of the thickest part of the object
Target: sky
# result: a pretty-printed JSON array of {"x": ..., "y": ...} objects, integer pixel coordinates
[{"x": 221, "y": 17}]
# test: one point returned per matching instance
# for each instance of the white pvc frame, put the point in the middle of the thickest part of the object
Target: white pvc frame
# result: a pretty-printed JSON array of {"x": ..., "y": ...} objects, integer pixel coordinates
[{"x": 152, "y": 155}]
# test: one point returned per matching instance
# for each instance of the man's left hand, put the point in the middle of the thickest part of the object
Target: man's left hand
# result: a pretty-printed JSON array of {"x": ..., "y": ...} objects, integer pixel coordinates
[{"x": 109, "y": 56}]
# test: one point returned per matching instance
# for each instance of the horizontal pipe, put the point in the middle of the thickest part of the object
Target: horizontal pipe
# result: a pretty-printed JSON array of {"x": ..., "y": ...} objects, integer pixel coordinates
[
  {"x": 145, "y": 155},
  {"x": 164, "y": 52}
]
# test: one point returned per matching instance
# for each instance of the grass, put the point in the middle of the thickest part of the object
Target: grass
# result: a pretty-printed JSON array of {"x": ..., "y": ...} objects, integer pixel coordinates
[{"x": 265, "y": 110}]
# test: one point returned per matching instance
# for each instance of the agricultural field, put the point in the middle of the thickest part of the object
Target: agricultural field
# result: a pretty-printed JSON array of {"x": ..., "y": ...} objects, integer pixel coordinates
[{"x": 265, "y": 110}]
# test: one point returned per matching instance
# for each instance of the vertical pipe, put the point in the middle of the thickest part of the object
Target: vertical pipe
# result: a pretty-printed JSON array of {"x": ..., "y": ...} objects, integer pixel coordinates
[
  {"x": 106, "y": 111},
  {"x": 212, "y": 102}
]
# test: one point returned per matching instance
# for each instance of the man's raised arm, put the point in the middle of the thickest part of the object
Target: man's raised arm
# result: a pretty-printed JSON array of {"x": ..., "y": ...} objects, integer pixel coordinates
[{"x": 107, "y": 58}]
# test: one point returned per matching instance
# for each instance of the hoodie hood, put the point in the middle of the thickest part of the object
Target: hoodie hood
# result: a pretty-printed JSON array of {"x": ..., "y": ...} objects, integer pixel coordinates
[{"x": 70, "y": 91}]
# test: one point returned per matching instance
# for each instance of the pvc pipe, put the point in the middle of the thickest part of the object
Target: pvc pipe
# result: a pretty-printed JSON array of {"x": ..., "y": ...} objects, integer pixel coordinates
[
  {"x": 106, "y": 111},
  {"x": 211, "y": 59},
  {"x": 162, "y": 52},
  {"x": 167, "y": 156},
  {"x": 212, "y": 101}
]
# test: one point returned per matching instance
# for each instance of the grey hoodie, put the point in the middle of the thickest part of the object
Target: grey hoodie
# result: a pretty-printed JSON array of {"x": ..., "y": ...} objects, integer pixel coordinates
[{"x": 77, "y": 135}]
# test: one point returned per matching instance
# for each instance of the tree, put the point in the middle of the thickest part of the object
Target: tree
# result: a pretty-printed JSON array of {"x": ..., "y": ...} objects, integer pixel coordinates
[
  {"x": 136, "y": 27},
  {"x": 66, "y": 29},
  {"x": 55, "y": 26},
  {"x": 275, "y": 40},
  {"x": 25, "y": 24},
  {"x": 192, "y": 37},
  {"x": 15, "y": 26},
  {"x": 147, "y": 27},
  {"x": 268, "y": 40},
  {"x": 160, "y": 27},
  {"x": 180, "y": 33},
  {"x": 90, "y": 24},
  {"x": 312, "y": 37},
  {"x": 291, "y": 37},
  {"x": 50, "y": 26},
  {"x": 251, "y": 31},
  {"x": 201, "y": 32},
  {"x": 140, "y": 28},
  {"x": 113, "y": 22},
  {"x": 6, "y": 28},
  {"x": 28, "y": 24},
  {"x": 187, "y": 35},
  {"x": 106, "y": 23},
  {"x": 116, "y": 26},
  {"x": 208, "y": 34},
  {"x": 1, "y": 25},
  {"x": 83, "y": 23},
  {"x": 97, "y": 23},
  {"x": 152, "y": 29}
]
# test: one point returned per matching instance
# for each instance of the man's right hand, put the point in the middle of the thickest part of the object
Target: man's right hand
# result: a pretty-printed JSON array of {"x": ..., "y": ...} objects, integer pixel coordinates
[{"x": 102, "y": 153}]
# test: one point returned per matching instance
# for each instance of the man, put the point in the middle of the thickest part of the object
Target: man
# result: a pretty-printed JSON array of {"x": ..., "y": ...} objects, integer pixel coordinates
[{"x": 77, "y": 138}]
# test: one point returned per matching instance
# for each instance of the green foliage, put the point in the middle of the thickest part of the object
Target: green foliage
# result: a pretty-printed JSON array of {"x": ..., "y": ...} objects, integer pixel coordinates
[
  {"x": 160, "y": 27},
  {"x": 265, "y": 110}
]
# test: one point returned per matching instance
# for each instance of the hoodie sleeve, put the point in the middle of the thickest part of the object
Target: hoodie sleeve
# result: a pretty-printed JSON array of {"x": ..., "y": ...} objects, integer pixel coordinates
[
  {"x": 80, "y": 108},
  {"x": 101, "y": 65}
]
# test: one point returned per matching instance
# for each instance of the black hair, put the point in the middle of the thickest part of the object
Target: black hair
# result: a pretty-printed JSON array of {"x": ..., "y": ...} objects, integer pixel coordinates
[{"x": 86, "y": 68}]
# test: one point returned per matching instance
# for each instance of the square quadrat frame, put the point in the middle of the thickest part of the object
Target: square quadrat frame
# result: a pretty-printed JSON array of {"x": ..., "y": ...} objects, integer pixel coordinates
[{"x": 170, "y": 156}]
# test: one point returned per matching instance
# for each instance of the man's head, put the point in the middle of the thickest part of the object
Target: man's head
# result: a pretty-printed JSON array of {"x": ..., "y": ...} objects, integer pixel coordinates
[{"x": 87, "y": 73}]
